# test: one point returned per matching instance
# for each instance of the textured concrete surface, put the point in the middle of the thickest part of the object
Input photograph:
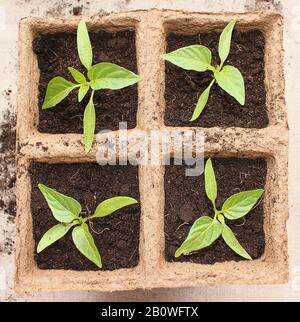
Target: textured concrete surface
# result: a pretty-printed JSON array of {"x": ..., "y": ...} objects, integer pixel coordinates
[{"x": 12, "y": 11}]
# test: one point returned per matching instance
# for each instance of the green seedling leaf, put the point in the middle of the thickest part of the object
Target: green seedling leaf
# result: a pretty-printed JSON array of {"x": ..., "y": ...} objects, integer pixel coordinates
[
  {"x": 52, "y": 235},
  {"x": 84, "y": 242},
  {"x": 210, "y": 182},
  {"x": 231, "y": 81},
  {"x": 58, "y": 88},
  {"x": 203, "y": 233},
  {"x": 64, "y": 209},
  {"x": 225, "y": 41},
  {"x": 111, "y": 76},
  {"x": 239, "y": 204},
  {"x": 84, "y": 46},
  {"x": 113, "y": 204},
  {"x": 202, "y": 102},
  {"x": 221, "y": 218},
  {"x": 77, "y": 75},
  {"x": 233, "y": 243},
  {"x": 195, "y": 57},
  {"x": 89, "y": 124},
  {"x": 83, "y": 89}
]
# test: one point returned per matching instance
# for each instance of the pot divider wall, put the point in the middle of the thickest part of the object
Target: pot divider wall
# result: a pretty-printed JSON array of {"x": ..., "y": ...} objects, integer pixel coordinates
[{"x": 270, "y": 143}]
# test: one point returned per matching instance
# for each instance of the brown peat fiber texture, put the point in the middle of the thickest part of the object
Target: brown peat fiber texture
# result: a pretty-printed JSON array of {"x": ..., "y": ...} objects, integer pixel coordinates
[
  {"x": 184, "y": 87},
  {"x": 116, "y": 236},
  {"x": 186, "y": 201},
  {"x": 57, "y": 52}
]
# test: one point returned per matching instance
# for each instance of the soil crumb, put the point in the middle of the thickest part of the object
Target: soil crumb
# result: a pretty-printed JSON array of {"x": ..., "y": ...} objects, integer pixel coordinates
[{"x": 77, "y": 10}]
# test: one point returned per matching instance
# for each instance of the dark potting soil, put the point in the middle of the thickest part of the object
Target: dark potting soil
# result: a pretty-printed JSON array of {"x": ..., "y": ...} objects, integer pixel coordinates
[
  {"x": 186, "y": 201},
  {"x": 183, "y": 88},
  {"x": 57, "y": 52},
  {"x": 116, "y": 236}
]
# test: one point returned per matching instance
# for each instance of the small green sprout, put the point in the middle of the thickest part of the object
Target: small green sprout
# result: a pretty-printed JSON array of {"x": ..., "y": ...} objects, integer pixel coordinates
[
  {"x": 199, "y": 58},
  {"x": 100, "y": 76},
  {"x": 66, "y": 211},
  {"x": 206, "y": 230}
]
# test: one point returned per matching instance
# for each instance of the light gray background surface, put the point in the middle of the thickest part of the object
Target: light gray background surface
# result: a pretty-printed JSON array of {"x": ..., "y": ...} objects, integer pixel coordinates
[{"x": 10, "y": 13}]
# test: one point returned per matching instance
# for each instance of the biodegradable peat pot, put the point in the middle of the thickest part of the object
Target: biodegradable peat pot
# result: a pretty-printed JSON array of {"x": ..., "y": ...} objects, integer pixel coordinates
[{"x": 244, "y": 144}]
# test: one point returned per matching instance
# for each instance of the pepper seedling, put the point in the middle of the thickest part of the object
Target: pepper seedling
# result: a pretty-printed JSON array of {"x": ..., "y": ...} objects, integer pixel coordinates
[
  {"x": 206, "y": 230},
  {"x": 199, "y": 58},
  {"x": 67, "y": 211},
  {"x": 100, "y": 76}
]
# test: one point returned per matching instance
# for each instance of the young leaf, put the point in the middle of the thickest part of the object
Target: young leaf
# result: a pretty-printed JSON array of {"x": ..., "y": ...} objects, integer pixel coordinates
[
  {"x": 195, "y": 57},
  {"x": 202, "y": 102},
  {"x": 84, "y": 242},
  {"x": 58, "y": 88},
  {"x": 77, "y": 75},
  {"x": 203, "y": 233},
  {"x": 233, "y": 243},
  {"x": 231, "y": 81},
  {"x": 89, "y": 124},
  {"x": 111, "y": 205},
  {"x": 83, "y": 89},
  {"x": 84, "y": 46},
  {"x": 225, "y": 41},
  {"x": 239, "y": 204},
  {"x": 221, "y": 218},
  {"x": 210, "y": 182},
  {"x": 52, "y": 235},
  {"x": 111, "y": 76},
  {"x": 65, "y": 209}
]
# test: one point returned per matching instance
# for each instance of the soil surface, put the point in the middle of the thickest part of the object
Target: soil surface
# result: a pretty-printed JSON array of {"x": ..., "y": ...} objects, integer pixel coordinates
[
  {"x": 186, "y": 201},
  {"x": 57, "y": 52},
  {"x": 116, "y": 236},
  {"x": 183, "y": 88}
]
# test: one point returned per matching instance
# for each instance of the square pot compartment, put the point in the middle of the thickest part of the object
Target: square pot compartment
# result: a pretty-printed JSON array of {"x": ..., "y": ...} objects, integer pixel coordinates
[
  {"x": 256, "y": 50},
  {"x": 48, "y": 47},
  {"x": 216, "y": 264},
  {"x": 269, "y": 143},
  {"x": 186, "y": 201},
  {"x": 61, "y": 266},
  {"x": 116, "y": 236}
]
